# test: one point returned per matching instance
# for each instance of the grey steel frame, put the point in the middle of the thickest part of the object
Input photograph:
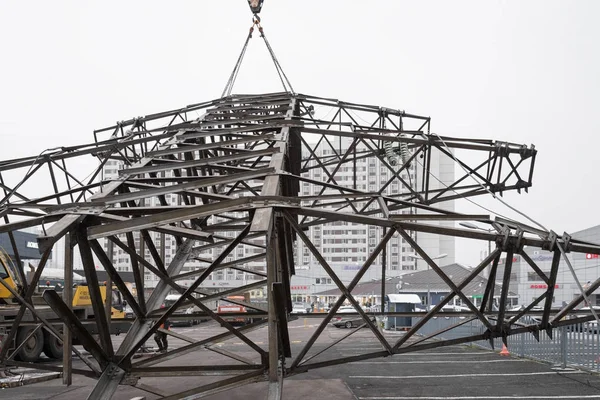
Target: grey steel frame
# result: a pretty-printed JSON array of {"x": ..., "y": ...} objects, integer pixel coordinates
[{"x": 237, "y": 164}]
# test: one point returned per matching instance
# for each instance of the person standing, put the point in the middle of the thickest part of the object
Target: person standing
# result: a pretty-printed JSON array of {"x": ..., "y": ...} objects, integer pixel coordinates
[{"x": 161, "y": 337}]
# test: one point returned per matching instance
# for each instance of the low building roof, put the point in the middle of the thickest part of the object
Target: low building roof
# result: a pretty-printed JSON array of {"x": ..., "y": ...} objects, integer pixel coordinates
[
  {"x": 27, "y": 245},
  {"x": 404, "y": 298},
  {"x": 423, "y": 281}
]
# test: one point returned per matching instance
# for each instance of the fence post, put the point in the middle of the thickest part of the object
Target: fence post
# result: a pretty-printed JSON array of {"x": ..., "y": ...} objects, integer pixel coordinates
[
  {"x": 563, "y": 345},
  {"x": 523, "y": 343}
]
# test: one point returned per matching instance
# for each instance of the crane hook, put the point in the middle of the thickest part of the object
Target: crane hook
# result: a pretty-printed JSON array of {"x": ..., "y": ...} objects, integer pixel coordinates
[{"x": 255, "y": 6}]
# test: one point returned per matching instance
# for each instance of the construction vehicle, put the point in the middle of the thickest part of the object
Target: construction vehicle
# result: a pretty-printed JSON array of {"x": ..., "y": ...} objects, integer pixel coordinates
[
  {"x": 239, "y": 305},
  {"x": 233, "y": 304},
  {"x": 41, "y": 340}
]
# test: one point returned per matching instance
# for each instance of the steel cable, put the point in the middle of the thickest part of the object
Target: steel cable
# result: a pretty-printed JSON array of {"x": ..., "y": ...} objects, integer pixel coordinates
[
  {"x": 277, "y": 64},
  {"x": 236, "y": 68},
  {"x": 285, "y": 82}
]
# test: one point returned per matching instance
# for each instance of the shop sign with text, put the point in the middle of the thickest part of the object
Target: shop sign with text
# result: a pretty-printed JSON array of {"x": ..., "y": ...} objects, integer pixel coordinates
[{"x": 542, "y": 286}]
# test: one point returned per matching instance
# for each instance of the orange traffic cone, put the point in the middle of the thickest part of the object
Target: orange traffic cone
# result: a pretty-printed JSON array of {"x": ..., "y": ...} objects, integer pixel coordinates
[{"x": 504, "y": 351}]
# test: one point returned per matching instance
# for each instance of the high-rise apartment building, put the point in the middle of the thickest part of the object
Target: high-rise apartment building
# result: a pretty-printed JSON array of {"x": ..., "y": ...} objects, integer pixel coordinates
[{"x": 344, "y": 245}]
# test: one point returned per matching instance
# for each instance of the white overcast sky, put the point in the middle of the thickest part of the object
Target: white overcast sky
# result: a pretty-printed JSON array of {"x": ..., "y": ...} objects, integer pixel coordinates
[{"x": 525, "y": 72}]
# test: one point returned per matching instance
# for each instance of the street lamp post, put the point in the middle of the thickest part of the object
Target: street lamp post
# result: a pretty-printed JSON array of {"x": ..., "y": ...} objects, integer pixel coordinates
[
  {"x": 469, "y": 225},
  {"x": 428, "y": 302}
]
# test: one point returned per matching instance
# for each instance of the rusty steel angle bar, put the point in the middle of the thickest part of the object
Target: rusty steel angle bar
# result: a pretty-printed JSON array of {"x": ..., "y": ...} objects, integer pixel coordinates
[
  {"x": 505, "y": 288},
  {"x": 141, "y": 326},
  {"x": 47, "y": 325},
  {"x": 455, "y": 290},
  {"x": 274, "y": 356},
  {"x": 153, "y": 251},
  {"x": 262, "y": 219},
  {"x": 534, "y": 266},
  {"x": 165, "y": 218},
  {"x": 232, "y": 291},
  {"x": 152, "y": 302},
  {"x": 484, "y": 236},
  {"x": 171, "y": 281},
  {"x": 528, "y": 308},
  {"x": 324, "y": 169},
  {"x": 24, "y": 342},
  {"x": 336, "y": 168},
  {"x": 219, "y": 386},
  {"x": 13, "y": 191},
  {"x": 30, "y": 307},
  {"x": 551, "y": 284},
  {"x": 57, "y": 230},
  {"x": 138, "y": 272},
  {"x": 195, "y": 184},
  {"x": 341, "y": 216},
  {"x": 198, "y": 163},
  {"x": 396, "y": 173},
  {"x": 116, "y": 278},
  {"x": 279, "y": 300},
  {"x": 133, "y": 254},
  {"x": 231, "y": 264},
  {"x": 229, "y": 354},
  {"x": 227, "y": 325},
  {"x": 488, "y": 296},
  {"x": 340, "y": 284},
  {"x": 75, "y": 326},
  {"x": 330, "y": 345},
  {"x": 342, "y": 298},
  {"x": 444, "y": 277},
  {"x": 193, "y": 370},
  {"x": 210, "y": 146},
  {"x": 439, "y": 332},
  {"x": 89, "y": 269},
  {"x": 197, "y": 345},
  {"x": 30, "y": 290},
  {"x": 584, "y": 293}
]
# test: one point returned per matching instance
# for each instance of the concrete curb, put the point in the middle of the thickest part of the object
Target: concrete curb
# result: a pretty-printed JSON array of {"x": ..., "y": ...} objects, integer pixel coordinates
[{"x": 26, "y": 377}]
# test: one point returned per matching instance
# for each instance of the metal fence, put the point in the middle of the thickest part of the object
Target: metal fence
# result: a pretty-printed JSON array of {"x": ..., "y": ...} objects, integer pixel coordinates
[{"x": 576, "y": 346}]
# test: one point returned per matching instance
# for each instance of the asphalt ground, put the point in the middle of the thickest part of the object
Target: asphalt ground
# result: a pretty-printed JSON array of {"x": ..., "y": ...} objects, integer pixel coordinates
[{"x": 448, "y": 373}]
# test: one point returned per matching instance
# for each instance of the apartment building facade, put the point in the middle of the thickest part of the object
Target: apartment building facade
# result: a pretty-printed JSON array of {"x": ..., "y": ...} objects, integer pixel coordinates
[{"x": 344, "y": 245}]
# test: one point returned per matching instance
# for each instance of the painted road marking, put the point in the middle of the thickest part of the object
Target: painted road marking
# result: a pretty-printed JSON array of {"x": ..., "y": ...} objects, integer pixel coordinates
[
  {"x": 440, "y": 361},
  {"x": 420, "y": 353},
  {"x": 417, "y": 353},
  {"x": 590, "y": 396},
  {"x": 462, "y": 375}
]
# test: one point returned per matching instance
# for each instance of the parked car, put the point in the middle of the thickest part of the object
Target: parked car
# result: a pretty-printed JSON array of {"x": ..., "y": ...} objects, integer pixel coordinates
[
  {"x": 169, "y": 301},
  {"x": 128, "y": 311},
  {"x": 591, "y": 326},
  {"x": 453, "y": 308},
  {"x": 298, "y": 308},
  {"x": 349, "y": 321}
]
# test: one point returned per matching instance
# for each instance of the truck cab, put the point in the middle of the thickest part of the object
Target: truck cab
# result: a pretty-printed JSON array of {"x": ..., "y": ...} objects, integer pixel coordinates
[{"x": 9, "y": 277}]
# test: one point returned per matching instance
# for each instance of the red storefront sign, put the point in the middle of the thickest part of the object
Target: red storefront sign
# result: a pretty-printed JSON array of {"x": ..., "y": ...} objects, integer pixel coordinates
[
  {"x": 541, "y": 286},
  {"x": 299, "y": 287},
  {"x": 589, "y": 256}
]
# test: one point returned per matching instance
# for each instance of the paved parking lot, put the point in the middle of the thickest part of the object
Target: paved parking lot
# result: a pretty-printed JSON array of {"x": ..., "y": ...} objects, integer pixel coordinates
[{"x": 450, "y": 373}]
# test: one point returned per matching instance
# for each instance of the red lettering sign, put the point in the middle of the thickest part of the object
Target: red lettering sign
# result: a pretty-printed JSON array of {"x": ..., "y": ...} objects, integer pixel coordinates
[
  {"x": 589, "y": 256},
  {"x": 299, "y": 287},
  {"x": 541, "y": 286}
]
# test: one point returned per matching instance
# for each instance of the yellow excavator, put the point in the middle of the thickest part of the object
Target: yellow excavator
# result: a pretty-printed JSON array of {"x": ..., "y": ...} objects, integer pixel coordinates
[
  {"x": 8, "y": 277},
  {"x": 41, "y": 340}
]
